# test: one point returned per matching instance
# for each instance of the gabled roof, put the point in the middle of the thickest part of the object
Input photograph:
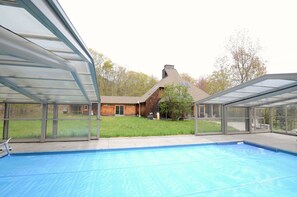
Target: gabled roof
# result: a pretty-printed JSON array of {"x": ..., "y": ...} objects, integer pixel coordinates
[{"x": 171, "y": 76}]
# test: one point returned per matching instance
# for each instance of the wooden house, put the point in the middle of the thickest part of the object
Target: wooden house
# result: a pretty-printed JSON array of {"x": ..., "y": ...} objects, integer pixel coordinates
[{"x": 149, "y": 102}]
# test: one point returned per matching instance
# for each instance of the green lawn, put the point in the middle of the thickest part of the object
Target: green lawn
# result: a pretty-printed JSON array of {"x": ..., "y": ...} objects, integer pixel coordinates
[
  {"x": 134, "y": 126},
  {"x": 111, "y": 127}
]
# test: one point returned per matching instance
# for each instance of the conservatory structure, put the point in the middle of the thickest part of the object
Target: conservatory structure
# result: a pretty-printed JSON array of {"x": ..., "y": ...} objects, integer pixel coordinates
[
  {"x": 264, "y": 104},
  {"x": 47, "y": 76}
]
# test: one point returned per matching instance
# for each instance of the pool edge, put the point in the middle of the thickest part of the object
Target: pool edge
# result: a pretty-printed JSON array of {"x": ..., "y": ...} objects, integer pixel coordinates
[{"x": 124, "y": 148}]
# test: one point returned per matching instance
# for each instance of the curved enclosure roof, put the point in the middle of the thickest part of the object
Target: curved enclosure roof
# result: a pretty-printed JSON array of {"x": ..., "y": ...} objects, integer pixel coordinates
[
  {"x": 267, "y": 91},
  {"x": 42, "y": 57}
]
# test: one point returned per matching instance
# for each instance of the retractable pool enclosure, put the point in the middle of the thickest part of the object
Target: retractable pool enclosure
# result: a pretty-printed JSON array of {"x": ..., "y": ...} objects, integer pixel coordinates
[
  {"x": 47, "y": 75},
  {"x": 267, "y": 103}
]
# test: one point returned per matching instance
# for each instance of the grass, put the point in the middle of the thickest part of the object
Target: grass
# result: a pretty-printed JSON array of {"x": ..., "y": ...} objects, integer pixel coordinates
[
  {"x": 133, "y": 126},
  {"x": 111, "y": 127}
]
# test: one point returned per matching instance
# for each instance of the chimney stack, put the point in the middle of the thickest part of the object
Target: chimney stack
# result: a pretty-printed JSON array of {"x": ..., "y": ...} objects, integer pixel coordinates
[{"x": 167, "y": 66}]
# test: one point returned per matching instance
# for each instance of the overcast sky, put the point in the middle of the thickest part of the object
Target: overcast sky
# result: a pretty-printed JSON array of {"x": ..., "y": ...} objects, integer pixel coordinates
[{"x": 143, "y": 36}]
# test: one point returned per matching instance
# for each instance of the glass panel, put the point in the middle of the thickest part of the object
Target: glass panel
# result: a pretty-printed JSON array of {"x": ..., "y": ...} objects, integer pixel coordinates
[
  {"x": 237, "y": 94},
  {"x": 286, "y": 95},
  {"x": 72, "y": 111},
  {"x": 68, "y": 55},
  {"x": 279, "y": 119},
  {"x": 20, "y": 21},
  {"x": 292, "y": 110},
  {"x": 10, "y": 58},
  {"x": 44, "y": 83},
  {"x": 73, "y": 128},
  {"x": 274, "y": 82},
  {"x": 12, "y": 96},
  {"x": 86, "y": 79},
  {"x": 209, "y": 126},
  {"x": 222, "y": 99},
  {"x": 25, "y": 111},
  {"x": 92, "y": 94},
  {"x": 292, "y": 119},
  {"x": 1, "y": 113},
  {"x": 89, "y": 87},
  {"x": 279, "y": 124},
  {"x": 93, "y": 98},
  {"x": 81, "y": 67},
  {"x": 201, "y": 113},
  {"x": 261, "y": 119},
  {"x": 72, "y": 121},
  {"x": 214, "y": 101},
  {"x": 47, "y": 11},
  {"x": 292, "y": 125},
  {"x": 51, "y": 45},
  {"x": 254, "y": 89},
  {"x": 6, "y": 90},
  {"x": 54, "y": 91},
  {"x": 35, "y": 72},
  {"x": 237, "y": 124},
  {"x": 237, "y": 119},
  {"x": 23, "y": 100},
  {"x": 208, "y": 111},
  {"x": 119, "y": 110},
  {"x": 94, "y": 126},
  {"x": 67, "y": 98},
  {"x": 237, "y": 112},
  {"x": 217, "y": 111},
  {"x": 292, "y": 101},
  {"x": 24, "y": 129}
]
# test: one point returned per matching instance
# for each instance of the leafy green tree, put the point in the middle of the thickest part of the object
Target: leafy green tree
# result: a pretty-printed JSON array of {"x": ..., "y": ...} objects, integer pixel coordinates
[
  {"x": 138, "y": 84},
  {"x": 176, "y": 101}
]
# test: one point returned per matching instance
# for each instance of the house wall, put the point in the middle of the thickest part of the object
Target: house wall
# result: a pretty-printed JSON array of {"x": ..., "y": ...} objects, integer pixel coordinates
[
  {"x": 151, "y": 104},
  {"x": 107, "y": 110},
  {"x": 110, "y": 109},
  {"x": 130, "y": 110}
]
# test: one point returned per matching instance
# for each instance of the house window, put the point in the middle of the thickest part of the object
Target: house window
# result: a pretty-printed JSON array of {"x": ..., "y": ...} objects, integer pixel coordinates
[
  {"x": 86, "y": 107},
  {"x": 119, "y": 110},
  {"x": 201, "y": 111}
]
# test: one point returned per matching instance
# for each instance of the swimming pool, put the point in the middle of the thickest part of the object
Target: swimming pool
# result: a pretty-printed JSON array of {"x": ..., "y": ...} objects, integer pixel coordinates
[{"x": 197, "y": 170}]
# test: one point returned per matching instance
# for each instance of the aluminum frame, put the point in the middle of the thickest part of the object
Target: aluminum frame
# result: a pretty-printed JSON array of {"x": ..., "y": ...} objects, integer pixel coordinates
[
  {"x": 60, "y": 49},
  {"x": 52, "y": 17},
  {"x": 251, "y": 100}
]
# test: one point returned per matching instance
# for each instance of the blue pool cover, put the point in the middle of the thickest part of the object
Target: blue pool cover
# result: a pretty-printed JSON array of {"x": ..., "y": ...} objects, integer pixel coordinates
[{"x": 209, "y": 170}]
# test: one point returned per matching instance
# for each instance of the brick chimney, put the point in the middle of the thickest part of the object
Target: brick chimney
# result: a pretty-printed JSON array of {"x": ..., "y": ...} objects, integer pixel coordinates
[{"x": 167, "y": 66}]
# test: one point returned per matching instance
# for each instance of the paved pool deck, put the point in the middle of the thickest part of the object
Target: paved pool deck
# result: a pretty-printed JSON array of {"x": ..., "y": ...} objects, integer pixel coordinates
[{"x": 279, "y": 141}]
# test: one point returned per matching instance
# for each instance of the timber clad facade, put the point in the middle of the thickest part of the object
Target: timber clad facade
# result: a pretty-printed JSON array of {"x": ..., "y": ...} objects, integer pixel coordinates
[
  {"x": 152, "y": 103},
  {"x": 118, "y": 109},
  {"x": 149, "y": 102}
]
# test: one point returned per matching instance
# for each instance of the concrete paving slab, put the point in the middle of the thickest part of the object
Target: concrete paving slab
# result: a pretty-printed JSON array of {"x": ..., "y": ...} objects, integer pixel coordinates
[{"x": 279, "y": 141}]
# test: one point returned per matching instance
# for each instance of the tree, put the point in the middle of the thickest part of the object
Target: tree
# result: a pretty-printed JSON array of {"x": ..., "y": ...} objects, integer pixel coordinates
[
  {"x": 220, "y": 79},
  {"x": 202, "y": 83},
  {"x": 176, "y": 101},
  {"x": 188, "y": 78},
  {"x": 115, "y": 80},
  {"x": 245, "y": 64},
  {"x": 239, "y": 65},
  {"x": 138, "y": 84}
]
